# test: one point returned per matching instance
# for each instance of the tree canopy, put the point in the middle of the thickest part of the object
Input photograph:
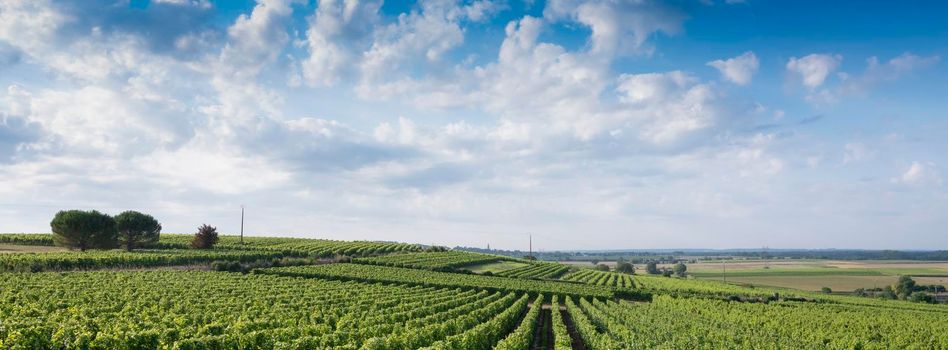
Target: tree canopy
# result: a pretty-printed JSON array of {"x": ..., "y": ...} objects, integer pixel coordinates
[
  {"x": 136, "y": 230},
  {"x": 78, "y": 229}
]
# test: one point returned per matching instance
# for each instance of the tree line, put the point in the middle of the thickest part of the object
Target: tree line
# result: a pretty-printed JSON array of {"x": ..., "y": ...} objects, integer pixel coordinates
[{"x": 84, "y": 230}]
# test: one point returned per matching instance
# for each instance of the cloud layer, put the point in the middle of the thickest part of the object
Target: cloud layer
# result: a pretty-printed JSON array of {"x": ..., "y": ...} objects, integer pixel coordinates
[{"x": 446, "y": 122}]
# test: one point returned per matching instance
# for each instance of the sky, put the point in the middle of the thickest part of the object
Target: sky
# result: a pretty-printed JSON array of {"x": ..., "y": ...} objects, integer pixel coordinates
[{"x": 606, "y": 124}]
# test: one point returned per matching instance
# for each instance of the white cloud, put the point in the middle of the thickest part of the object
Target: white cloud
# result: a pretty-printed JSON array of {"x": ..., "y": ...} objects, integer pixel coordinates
[
  {"x": 739, "y": 70},
  {"x": 920, "y": 173},
  {"x": 670, "y": 105},
  {"x": 618, "y": 27},
  {"x": 814, "y": 68}
]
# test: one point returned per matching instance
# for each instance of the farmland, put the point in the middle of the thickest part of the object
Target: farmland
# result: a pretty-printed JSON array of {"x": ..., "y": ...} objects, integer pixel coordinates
[{"x": 387, "y": 295}]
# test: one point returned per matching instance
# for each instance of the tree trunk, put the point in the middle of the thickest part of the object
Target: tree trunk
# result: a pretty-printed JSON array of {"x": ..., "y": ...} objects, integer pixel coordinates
[{"x": 128, "y": 242}]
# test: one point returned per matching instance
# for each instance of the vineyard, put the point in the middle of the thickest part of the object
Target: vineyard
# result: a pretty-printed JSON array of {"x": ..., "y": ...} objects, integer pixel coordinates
[
  {"x": 204, "y": 310},
  {"x": 287, "y": 246},
  {"x": 689, "y": 323},
  {"x": 371, "y": 273},
  {"x": 30, "y": 262},
  {"x": 406, "y": 296},
  {"x": 601, "y": 278},
  {"x": 536, "y": 271},
  {"x": 432, "y": 261}
]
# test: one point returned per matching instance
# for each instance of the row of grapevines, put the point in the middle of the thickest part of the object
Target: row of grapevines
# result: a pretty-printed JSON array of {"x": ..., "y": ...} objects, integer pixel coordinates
[
  {"x": 432, "y": 261},
  {"x": 536, "y": 271},
  {"x": 561, "y": 338},
  {"x": 685, "y": 323},
  {"x": 34, "y": 262},
  {"x": 486, "y": 334},
  {"x": 375, "y": 273},
  {"x": 601, "y": 278},
  {"x": 42, "y": 239},
  {"x": 588, "y": 331},
  {"x": 522, "y": 337},
  {"x": 204, "y": 310},
  {"x": 289, "y": 246}
]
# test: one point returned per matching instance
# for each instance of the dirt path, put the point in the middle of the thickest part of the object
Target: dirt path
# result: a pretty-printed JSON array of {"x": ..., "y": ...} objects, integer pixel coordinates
[{"x": 577, "y": 341}]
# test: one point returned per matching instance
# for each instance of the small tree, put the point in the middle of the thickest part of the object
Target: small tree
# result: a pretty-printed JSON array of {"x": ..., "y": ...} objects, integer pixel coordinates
[
  {"x": 602, "y": 267},
  {"x": 680, "y": 269},
  {"x": 904, "y": 287},
  {"x": 136, "y": 230},
  {"x": 205, "y": 238},
  {"x": 77, "y": 229},
  {"x": 652, "y": 268},
  {"x": 625, "y": 267},
  {"x": 826, "y": 290}
]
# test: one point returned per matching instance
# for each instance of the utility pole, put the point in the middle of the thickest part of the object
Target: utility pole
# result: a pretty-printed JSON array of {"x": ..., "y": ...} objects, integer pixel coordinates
[
  {"x": 241, "y": 224},
  {"x": 724, "y": 261},
  {"x": 531, "y": 244}
]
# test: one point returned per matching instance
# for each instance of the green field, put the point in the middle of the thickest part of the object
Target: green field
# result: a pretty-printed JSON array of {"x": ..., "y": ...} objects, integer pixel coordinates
[
  {"x": 495, "y": 267},
  {"x": 301, "y": 294}
]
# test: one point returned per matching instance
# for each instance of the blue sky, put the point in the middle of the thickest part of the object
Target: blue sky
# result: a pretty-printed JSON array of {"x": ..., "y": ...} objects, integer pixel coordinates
[{"x": 590, "y": 124}]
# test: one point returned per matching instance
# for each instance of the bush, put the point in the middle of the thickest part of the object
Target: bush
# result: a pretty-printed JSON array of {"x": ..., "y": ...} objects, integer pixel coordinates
[
  {"x": 652, "y": 268},
  {"x": 205, "y": 238},
  {"x": 77, "y": 229},
  {"x": 826, "y": 290},
  {"x": 625, "y": 267},
  {"x": 602, "y": 267}
]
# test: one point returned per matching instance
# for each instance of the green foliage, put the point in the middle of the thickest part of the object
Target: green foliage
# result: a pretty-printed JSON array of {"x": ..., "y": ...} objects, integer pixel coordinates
[
  {"x": 692, "y": 323},
  {"x": 214, "y": 310},
  {"x": 372, "y": 273},
  {"x": 521, "y": 338},
  {"x": 78, "y": 229},
  {"x": 826, "y": 290},
  {"x": 205, "y": 238},
  {"x": 33, "y": 262},
  {"x": 561, "y": 338},
  {"x": 625, "y": 267},
  {"x": 438, "y": 261},
  {"x": 136, "y": 230},
  {"x": 536, "y": 271},
  {"x": 602, "y": 267},
  {"x": 904, "y": 287},
  {"x": 35, "y": 239},
  {"x": 651, "y": 268},
  {"x": 680, "y": 269},
  {"x": 600, "y": 278}
]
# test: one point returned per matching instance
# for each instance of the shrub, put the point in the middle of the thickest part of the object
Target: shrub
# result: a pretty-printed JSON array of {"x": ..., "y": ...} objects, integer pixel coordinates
[{"x": 205, "y": 238}]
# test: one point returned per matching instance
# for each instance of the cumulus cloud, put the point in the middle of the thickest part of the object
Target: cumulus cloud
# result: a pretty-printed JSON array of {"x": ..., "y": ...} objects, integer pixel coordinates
[
  {"x": 387, "y": 125},
  {"x": 739, "y": 70},
  {"x": 920, "y": 173},
  {"x": 813, "y": 69},
  {"x": 618, "y": 27}
]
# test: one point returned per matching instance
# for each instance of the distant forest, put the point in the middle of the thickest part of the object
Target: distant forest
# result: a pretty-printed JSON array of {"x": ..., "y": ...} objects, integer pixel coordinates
[{"x": 698, "y": 254}]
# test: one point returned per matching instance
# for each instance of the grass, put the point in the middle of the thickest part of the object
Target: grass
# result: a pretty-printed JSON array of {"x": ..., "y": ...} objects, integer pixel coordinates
[{"x": 495, "y": 267}]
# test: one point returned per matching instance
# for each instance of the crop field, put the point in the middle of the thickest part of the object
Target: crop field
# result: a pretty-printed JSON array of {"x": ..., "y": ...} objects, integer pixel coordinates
[
  {"x": 370, "y": 273},
  {"x": 536, "y": 271},
  {"x": 496, "y": 267},
  {"x": 600, "y": 278},
  {"x": 399, "y": 296},
  {"x": 433, "y": 260},
  {"x": 815, "y": 274}
]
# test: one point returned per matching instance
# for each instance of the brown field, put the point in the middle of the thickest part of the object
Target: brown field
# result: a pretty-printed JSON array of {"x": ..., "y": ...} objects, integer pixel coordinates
[
  {"x": 815, "y": 283},
  {"x": 6, "y": 248}
]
